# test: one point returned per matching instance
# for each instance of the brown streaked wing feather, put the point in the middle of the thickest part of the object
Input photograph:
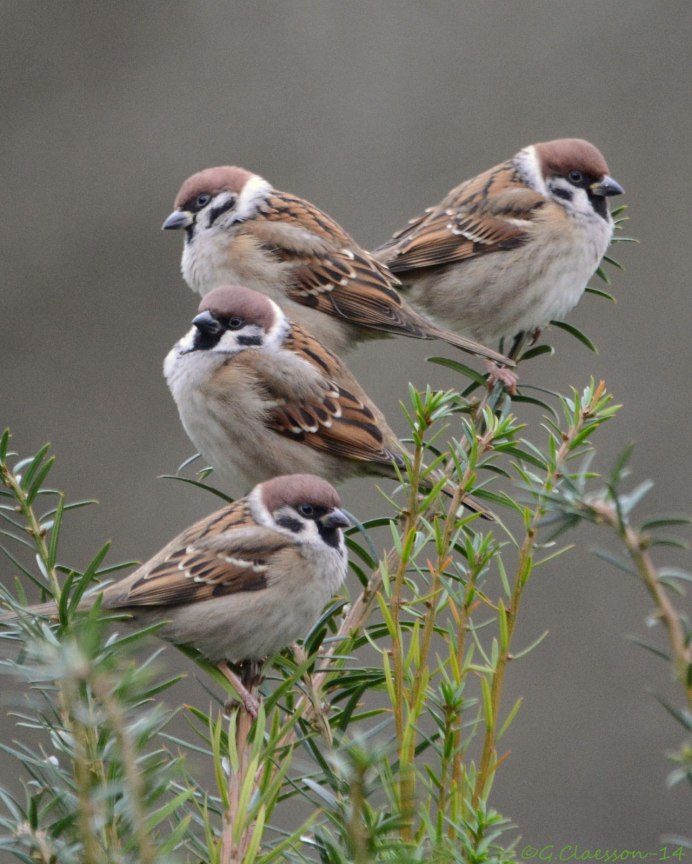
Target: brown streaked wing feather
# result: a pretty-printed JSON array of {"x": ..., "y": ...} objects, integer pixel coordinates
[
  {"x": 477, "y": 217},
  {"x": 365, "y": 296},
  {"x": 281, "y": 207},
  {"x": 202, "y": 563},
  {"x": 332, "y": 273},
  {"x": 340, "y": 421},
  {"x": 193, "y": 575},
  {"x": 354, "y": 434}
]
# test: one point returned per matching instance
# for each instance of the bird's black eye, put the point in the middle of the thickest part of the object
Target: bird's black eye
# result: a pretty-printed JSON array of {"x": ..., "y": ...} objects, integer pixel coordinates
[
  {"x": 235, "y": 323},
  {"x": 575, "y": 177},
  {"x": 197, "y": 202},
  {"x": 306, "y": 510}
]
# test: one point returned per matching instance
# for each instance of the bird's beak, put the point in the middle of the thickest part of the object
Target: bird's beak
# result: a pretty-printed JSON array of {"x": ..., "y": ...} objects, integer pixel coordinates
[
  {"x": 335, "y": 519},
  {"x": 206, "y": 323},
  {"x": 605, "y": 186},
  {"x": 178, "y": 219}
]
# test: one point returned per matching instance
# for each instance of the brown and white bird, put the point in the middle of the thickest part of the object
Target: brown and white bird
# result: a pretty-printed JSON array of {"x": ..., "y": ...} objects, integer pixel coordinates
[
  {"x": 513, "y": 248},
  {"x": 244, "y": 582},
  {"x": 238, "y": 229},
  {"x": 258, "y": 395}
]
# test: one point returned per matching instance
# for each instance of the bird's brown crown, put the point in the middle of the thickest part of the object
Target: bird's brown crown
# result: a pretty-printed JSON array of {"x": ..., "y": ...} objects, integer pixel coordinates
[
  {"x": 294, "y": 489},
  {"x": 223, "y": 178},
  {"x": 569, "y": 154},
  {"x": 236, "y": 301}
]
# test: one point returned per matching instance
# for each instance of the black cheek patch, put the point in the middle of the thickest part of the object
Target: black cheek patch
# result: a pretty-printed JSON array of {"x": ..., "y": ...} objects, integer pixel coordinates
[
  {"x": 250, "y": 340},
  {"x": 293, "y": 525},
  {"x": 215, "y": 212},
  {"x": 565, "y": 194}
]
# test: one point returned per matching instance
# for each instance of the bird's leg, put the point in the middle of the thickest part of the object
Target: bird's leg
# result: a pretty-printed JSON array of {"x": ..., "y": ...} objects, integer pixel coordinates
[
  {"x": 251, "y": 673},
  {"x": 243, "y": 686},
  {"x": 504, "y": 375}
]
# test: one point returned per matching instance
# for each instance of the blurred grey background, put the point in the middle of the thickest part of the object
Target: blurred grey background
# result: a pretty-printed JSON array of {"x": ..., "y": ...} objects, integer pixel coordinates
[{"x": 372, "y": 111}]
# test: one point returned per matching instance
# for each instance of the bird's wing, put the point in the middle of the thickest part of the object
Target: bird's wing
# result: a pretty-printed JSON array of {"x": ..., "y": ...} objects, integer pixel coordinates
[
  {"x": 329, "y": 271},
  {"x": 318, "y": 402},
  {"x": 225, "y": 553},
  {"x": 489, "y": 213}
]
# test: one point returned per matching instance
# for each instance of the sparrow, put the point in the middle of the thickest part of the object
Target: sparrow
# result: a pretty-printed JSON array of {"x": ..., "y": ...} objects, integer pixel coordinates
[
  {"x": 513, "y": 248},
  {"x": 258, "y": 394},
  {"x": 238, "y": 229},
  {"x": 244, "y": 582}
]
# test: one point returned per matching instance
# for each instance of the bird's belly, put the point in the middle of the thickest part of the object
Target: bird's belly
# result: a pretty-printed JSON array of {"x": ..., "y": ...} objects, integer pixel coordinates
[
  {"x": 505, "y": 293},
  {"x": 251, "y": 625}
]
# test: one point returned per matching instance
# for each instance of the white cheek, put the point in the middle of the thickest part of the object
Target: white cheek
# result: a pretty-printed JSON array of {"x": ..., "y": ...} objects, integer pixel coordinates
[
  {"x": 580, "y": 202},
  {"x": 310, "y": 534},
  {"x": 228, "y": 344},
  {"x": 579, "y": 205}
]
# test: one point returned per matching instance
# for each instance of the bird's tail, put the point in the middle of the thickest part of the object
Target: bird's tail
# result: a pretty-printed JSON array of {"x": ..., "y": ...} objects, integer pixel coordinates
[
  {"x": 471, "y": 346},
  {"x": 42, "y": 610}
]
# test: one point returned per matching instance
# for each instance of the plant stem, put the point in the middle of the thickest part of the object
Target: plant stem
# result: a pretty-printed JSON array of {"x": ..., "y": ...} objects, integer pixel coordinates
[
  {"x": 232, "y": 852},
  {"x": 80, "y": 734},
  {"x": 489, "y": 762},
  {"x": 38, "y": 534},
  {"x": 637, "y": 547},
  {"x": 488, "y": 759},
  {"x": 682, "y": 653},
  {"x": 113, "y": 710}
]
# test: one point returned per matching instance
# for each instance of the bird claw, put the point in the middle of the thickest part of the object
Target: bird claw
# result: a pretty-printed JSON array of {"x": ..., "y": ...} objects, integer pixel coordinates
[
  {"x": 502, "y": 374},
  {"x": 246, "y": 701}
]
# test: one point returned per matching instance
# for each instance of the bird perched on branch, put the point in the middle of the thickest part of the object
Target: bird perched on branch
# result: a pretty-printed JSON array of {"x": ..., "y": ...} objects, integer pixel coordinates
[
  {"x": 244, "y": 582},
  {"x": 238, "y": 229},
  {"x": 258, "y": 395},
  {"x": 513, "y": 248}
]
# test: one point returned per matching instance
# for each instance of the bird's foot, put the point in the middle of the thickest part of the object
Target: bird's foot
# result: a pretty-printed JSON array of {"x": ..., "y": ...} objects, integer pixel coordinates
[
  {"x": 505, "y": 376},
  {"x": 247, "y": 701}
]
